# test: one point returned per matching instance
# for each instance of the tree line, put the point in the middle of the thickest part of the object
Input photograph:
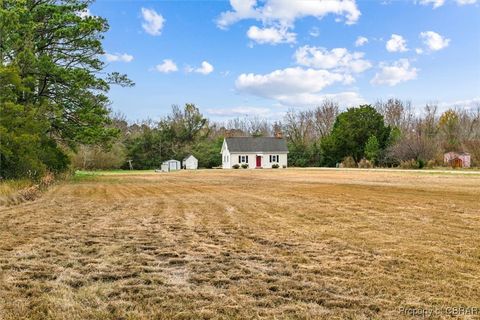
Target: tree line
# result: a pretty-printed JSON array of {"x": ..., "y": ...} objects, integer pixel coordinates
[
  {"x": 55, "y": 113},
  {"x": 386, "y": 134}
]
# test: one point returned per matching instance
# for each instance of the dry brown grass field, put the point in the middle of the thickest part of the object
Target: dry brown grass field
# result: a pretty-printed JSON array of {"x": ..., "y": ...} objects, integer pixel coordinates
[{"x": 244, "y": 244}]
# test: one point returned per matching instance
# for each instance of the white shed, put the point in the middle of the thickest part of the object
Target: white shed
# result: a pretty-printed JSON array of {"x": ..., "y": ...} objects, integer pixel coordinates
[
  {"x": 171, "y": 165},
  {"x": 190, "y": 163}
]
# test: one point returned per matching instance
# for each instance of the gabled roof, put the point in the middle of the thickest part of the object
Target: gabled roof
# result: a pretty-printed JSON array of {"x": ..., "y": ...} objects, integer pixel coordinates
[
  {"x": 458, "y": 153},
  {"x": 256, "y": 144},
  {"x": 190, "y": 155}
]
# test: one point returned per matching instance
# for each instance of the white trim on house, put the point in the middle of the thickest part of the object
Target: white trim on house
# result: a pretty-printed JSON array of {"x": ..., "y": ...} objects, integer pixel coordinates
[{"x": 266, "y": 159}]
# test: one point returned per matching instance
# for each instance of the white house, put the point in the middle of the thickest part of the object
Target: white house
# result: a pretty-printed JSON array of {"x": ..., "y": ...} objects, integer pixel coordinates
[
  {"x": 256, "y": 152},
  {"x": 171, "y": 165},
  {"x": 190, "y": 163}
]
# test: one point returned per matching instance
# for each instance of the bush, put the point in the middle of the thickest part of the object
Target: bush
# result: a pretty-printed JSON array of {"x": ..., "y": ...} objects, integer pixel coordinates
[
  {"x": 236, "y": 166},
  {"x": 365, "y": 164},
  {"x": 431, "y": 164},
  {"x": 410, "y": 164},
  {"x": 348, "y": 162},
  {"x": 284, "y": 167},
  {"x": 275, "y": 166},
  {"x": 244, "y": 166},
  {"x": 421, "y": 163}
]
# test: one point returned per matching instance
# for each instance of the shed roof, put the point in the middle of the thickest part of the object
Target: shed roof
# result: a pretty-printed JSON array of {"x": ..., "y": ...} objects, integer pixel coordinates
[
  {"x": 256, "y": 144},
  {"x": 458, "y": 153},
  {"x": 171, "y": 160},
  {"x": 190, "y": 155}
]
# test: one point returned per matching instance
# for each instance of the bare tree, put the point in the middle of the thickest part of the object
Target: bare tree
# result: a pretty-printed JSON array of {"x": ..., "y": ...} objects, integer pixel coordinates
[
  {"x": 396, "y": 113},
  {"x": 298, "y": 127},
  {"x": 324, "y": 117}
]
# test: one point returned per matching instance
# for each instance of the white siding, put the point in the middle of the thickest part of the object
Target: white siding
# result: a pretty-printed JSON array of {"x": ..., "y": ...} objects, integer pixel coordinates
[
  {"x": 231, "y": 159},
  {"x": 170, "y": 165},
  {"x": 226, "y": 164},
  {"x": 252, "y": 159},
  {"x": 191, "y": 163}
]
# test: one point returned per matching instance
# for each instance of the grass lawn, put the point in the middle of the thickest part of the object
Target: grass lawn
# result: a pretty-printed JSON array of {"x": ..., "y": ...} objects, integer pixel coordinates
[{"x": 243, "y": 244}]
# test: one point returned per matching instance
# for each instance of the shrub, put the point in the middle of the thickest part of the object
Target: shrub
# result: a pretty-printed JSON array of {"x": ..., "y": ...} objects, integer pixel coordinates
[
  {"x": 431, "y": 164},
  {"x": 244, "y": 165},
  {"x": 365, "y": 164},
  {"x": 421, "y": 163},
  {"x": 409, "y": 164},
  {"x": 236, "y": 166},
  {"x": 348, "y": 162},
  {"x": 284, "y": 167},
  {"x": 47, "y": 180},
  {"x": 275, "y": 166}
]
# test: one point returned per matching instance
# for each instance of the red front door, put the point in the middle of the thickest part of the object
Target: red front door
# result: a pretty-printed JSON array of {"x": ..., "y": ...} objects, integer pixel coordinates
[{"x": 259, "y": 161}]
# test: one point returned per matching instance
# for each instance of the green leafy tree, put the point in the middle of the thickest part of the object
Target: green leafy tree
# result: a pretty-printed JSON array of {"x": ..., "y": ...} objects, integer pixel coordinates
[
  {"x": 372, "y": 149},
  {"x": 145, "y": 149},
  {"x": 51, "y": 83},
  {"x": 183, "y": 131},
  {"x": 303, "y": 155},
  {"x": 350, "y": 133},
  {"x": 207, "y": 152}
]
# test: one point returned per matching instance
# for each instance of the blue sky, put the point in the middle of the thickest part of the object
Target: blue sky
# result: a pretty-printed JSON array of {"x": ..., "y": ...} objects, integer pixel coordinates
[{"x": 247, "y": 57}]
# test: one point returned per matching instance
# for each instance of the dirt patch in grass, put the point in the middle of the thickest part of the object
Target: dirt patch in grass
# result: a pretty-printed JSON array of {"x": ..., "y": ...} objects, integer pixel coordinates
[{"x": 281, "y": 244}]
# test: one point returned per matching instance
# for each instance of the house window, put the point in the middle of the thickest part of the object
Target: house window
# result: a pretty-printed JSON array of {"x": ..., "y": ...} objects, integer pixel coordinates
[
  {"x": 274, "y": 158},
  {"x": 243, "y": 159}
]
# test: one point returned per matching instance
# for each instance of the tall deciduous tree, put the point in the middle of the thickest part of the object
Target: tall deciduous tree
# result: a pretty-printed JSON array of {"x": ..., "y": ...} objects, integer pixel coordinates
[{"x": 449, "y": 125}]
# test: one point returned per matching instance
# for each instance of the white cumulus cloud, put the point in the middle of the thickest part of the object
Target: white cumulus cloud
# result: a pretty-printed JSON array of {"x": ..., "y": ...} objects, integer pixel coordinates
[
  {"x": 465, "y": 2},
  {"x": 293, "y": 86},
  {"x": 438, "y": 3},
  {"x": 271, "y": 35},
  {"x": 347, "y": 99},
  {"x": 278, "y": 16},
  {"x": 288, "y": 81},
  {"x": 152, "y": 22},
  {"x": 339, "y": 59},
  {"x": 395, "y": 73},
  {"x": 286, "y": 12},
  {"x": 205, "y": 68},
  {"x": 396, "y": 44},
  {"x": 118, "y": 57},
  {"x": 239, "y": 111},
  {"x": 166, "y": 66},
  {"x": 361, "y": 41},
  {"x": 434, "y": 41},
  {"x": 435, "y": 3}
]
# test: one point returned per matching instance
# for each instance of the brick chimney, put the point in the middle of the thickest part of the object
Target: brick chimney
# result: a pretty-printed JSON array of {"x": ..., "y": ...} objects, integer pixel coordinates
[{"x": 278, "y": 134}]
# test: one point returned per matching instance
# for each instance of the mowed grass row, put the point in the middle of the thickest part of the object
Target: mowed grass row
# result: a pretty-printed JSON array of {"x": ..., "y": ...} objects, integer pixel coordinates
[{"x": 305, "y": 244}]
